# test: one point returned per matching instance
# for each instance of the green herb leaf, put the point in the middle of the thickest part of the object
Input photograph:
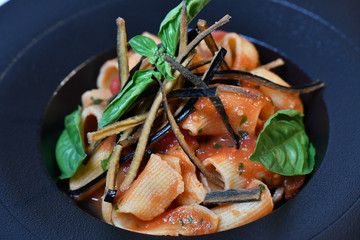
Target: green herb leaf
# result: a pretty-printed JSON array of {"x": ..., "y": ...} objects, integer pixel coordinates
[
  {"x": 144, "y": 46},
  {"x": 69, "y": 150},
  {"x": 137, "y": 85},
  {"x": 105, "y": 162},
  {"x": 283, "y": 146},
  {"x": 217, "y": 146},
  {"x": 164, "y": 68},
  {"x": 169, "y": 32},
  {"x": 243, "y": 119},
  {"x": 181, "y": 222}
]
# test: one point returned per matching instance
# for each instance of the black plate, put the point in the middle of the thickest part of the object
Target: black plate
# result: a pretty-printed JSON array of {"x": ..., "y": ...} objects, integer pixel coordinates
[{"x": 31, "y": 204}]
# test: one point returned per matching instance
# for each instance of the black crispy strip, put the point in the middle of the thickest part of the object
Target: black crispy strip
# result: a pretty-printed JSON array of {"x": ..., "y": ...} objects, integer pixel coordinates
[
  {"x": 193, "y": 92},
  {"x": 246, "y": 76},
  {"x": 92, "y": 183},
  {"x": 233, "y": 196},
  {"x": 214, "y": 65},
  {"x": 110, "y": 196}
]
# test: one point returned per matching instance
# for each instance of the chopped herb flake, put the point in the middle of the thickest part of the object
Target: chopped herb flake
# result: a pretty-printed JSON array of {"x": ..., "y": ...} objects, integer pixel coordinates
[
  {"x": 96, "y": 101},
  {"x": 116, "y": 207},
  {"x": 181, "y": 222},
  {"x": 217, "y": 146},
  {"x": 241, "y": 168},
  {"x": 200, "y": 130},
  {"x": 191, "y": 219},
  {"x": 201, "y": 221},
  {"x": 257, "y": 86},
  {"x": 243, "y": 134},
  {"x": 243, "y": 119},
  {"x": 177, "y": 149}
]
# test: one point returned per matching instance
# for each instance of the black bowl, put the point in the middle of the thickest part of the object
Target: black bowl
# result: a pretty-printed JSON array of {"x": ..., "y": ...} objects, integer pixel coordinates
[{"x": 34, "y": 206}]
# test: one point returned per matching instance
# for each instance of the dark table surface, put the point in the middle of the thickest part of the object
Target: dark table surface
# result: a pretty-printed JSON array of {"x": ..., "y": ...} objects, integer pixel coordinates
[{"x": 337, "y": 14}]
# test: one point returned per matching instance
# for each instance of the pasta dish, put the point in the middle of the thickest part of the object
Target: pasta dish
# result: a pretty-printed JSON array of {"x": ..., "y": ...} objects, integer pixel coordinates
[{"x": 187, "y": 133}]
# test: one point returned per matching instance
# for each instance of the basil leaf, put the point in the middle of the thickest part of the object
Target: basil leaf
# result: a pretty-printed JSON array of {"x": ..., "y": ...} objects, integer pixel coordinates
[
  {"x": 139, "y": 82},
  {"x": 144, "y": 46},
  {"x": 69, "y": 150},
  {"x": 164, "y": 68},
  {"x": 169, "y": 31},
  {"x": 283, "y": 146}
]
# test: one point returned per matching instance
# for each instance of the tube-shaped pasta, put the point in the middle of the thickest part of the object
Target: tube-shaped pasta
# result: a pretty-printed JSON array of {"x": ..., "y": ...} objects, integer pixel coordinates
[
  {"x": 185, "y": 220},
  {"x": 153, "y": 191},
  {"x": 227, "y": 166},
  {"x": 281, "y": 100},
  {"x": 194, "y": 191},
  {"x": 95, "y": 97},
  {"x": 243, "y": 113},
  {"x": 92, "y": 168},
  {"x": 238, "y": 214},
  {"x": 90, "y": 117}
]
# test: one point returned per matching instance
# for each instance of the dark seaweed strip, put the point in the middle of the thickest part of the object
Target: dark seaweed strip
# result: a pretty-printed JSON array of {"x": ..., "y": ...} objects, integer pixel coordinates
[
  {"x": 110, "y": 196},
  {"x": 208, "y": 75},
  {"x": 214, "y": 65},
  {"x": 193, "y": 92},
  {"x": 246, "y": 76},
  {"x": 233, "y": 196},
  {"x": 185, "y": 72},
  {"x": 92, "y": 183}
]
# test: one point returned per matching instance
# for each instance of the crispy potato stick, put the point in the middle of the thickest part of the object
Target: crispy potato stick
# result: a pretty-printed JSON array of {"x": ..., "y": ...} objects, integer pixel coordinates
[
  {"x": 201, "y": 36},
  {"x": 141, "y": 146},
  {"x": 183, "y": 28},
  {"x": 273, "y": 64},
  {"x": 200, "y": 63},
  {"x": 122, "y": 52},
  {"x": 116, "y": 128},
  {"x": 113, "y": 166},
  {"x": 210, "y": 42}
]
